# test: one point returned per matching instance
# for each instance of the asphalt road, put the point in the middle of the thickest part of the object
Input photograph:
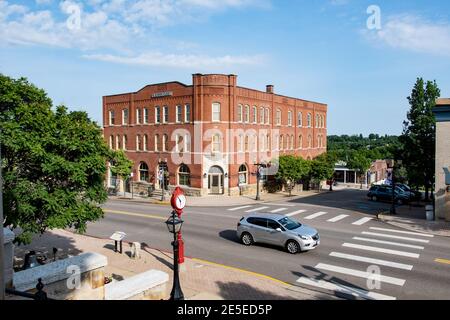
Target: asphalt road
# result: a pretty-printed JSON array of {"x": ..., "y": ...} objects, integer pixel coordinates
[{"x": 354, "y": 245}]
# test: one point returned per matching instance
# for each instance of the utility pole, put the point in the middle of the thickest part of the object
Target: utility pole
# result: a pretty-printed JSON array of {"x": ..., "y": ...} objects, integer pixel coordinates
[{"x": 2, "y": 258}]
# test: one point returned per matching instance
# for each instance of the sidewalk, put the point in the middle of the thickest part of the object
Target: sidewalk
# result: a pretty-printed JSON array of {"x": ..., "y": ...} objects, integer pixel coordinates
[
  {"x": 200, "y": 280},
  {"x": 221, "y": 200},
  {"x": 413, "y": 219}
]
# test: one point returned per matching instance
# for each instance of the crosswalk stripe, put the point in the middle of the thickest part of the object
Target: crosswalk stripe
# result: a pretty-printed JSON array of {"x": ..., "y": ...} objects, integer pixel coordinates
[
  {"x": 355, "y": 292},
  {"x": 394, "y": 237},
  {"x": 372, "y": 261},
  {"x": 295, "y": 213},
  {"x": 361, "y": 274},
  {"x": 337, "y": 218},
  {"x": 382, "y": 250},
  {"x": 257, "y": 209},
  {"x": 315, "y": 215},
  {"x": 389, "y": 243},
  {"x": 404, "y": 232},
  {"x": 360, "y": 222},
  {"x": 239, "y": 208},
  {"x": 278, "y": 210}
]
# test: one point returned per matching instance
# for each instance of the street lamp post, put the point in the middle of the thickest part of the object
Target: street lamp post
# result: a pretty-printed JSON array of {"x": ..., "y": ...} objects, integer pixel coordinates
[
  {"x": 258, "y": 179},
  {"x": 174, "y": 224},
  {"x": 393, "y": 209}
]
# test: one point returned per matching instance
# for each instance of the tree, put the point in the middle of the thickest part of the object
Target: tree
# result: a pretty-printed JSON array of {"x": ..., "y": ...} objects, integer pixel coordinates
[
  {"x": 360, "y": 163},
  {"x": 322, "y": 168},
  {"x": 418, "y": 138},
  {"x": 53, "y": 161},
  {"x": 291, "y": 169}
]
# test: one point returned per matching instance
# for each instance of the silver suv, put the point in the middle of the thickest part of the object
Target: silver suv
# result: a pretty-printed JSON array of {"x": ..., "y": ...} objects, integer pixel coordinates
[{"x": 278, "y": 230}]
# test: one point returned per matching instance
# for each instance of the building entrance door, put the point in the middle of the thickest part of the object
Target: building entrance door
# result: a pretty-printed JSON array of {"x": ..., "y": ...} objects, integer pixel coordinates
[{"x": 215, "y": 181}]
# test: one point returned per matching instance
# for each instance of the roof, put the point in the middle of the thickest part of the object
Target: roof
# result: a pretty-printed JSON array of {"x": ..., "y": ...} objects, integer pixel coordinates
[
  {"x": 443, "y": 102},
  {"x": 274, "y": 216}
]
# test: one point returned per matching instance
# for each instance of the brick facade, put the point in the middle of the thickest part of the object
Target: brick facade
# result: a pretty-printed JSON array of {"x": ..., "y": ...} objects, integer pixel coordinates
[{"x": 229, "y": 123}]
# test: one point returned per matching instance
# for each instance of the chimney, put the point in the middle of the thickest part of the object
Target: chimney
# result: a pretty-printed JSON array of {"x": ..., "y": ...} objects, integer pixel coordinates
[{"x": 269, "y": 88}]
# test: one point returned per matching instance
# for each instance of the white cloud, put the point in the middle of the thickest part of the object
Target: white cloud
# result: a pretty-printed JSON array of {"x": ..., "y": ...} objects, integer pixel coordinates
[
  {"x": 413, "y": 33},
  {"x": 157, "y": 59}
]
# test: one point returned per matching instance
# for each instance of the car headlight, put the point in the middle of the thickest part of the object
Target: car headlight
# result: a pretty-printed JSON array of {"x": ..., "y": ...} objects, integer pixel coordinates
[{"x": 304, "y": 237}]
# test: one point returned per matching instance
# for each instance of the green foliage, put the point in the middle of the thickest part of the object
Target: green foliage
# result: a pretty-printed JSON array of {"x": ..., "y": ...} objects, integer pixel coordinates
[
  {"x": 418, "y": 139},
  {"x": 322, "y": 167},
  {"x": 359, "y": 161},
  {"x": 120, "y": 164},
  {"x": 54, "y": 162},
  {"x": 292, "y": 168}
]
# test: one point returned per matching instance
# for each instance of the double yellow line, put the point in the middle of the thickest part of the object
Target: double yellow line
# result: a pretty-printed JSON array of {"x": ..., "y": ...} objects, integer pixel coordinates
[
  {"x": 148, "y": 216},
  {"x": 444, "y": 261}
]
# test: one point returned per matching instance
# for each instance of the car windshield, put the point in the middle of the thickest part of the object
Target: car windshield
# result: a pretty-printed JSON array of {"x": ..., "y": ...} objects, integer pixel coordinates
[{"x": 289, "y": 224}]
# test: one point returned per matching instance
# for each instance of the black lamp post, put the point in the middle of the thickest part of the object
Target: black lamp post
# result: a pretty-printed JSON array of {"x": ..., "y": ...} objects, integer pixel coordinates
[
  {"x": 393, "y": 211},
  {"x": 258, "y": 179},
  {"x": 174, "y": 224}
]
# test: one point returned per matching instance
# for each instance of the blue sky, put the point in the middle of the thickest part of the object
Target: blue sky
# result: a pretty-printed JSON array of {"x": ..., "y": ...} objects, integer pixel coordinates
[{"x": 319, "y": 50}]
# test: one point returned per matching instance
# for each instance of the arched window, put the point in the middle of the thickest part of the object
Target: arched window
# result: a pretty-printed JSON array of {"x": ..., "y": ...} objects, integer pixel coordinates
[
  {"x": 165, "y": 114},
  {"x": 184, "y": 176},
  {"x": 111, "y": 142},
  {"x": 246, "y": 144},
  {"x": 179, "y": 114},
  {"x": 300, "y": 119},
  {"x": 157, "y": 142},
  {"x": 278, "y": 119},
  {"x": 157, "y": 114},
  {"x": 143, "y": 172},
  {"x": 118, "y": 142},
  {"x": 247, "y": 114},
  {"x": 138, "y": 116},
  {"x": 292, "y": 142},
  {"x": 124, "y": 142},
  {"x": 308, "y": 120},
  {"x": 187, "y": 142},
  {"x": 261, "y": 115},
  {"x": 243, "y": 174},
  {"x": 145, "y": 115},
  {"x": 165, "y": 142},
  {"x": 267, "y": 116},
  {"x": 290, "y": 118},
  {"x": 281, "y": 142},
  {"x": 138, "y": 142},
  {"x": 300, "y": 142},
  {"x": 125, "y": 116},
  {"x": 144, "y": 142},
  {"x": 255, "y": 114},
  {"x": 317, "y": 121},
  {"x": 239, "y": 110}
]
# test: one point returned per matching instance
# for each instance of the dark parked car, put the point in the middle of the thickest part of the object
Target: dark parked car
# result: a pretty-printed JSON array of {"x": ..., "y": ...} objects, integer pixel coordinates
[
  {"x": 384, "y": 193},
  {"x": 416, "y": 195}
]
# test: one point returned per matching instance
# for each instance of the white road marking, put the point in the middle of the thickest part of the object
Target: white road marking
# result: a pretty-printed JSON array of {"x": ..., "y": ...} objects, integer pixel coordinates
[
  {"x": 360, "y": 274},
  {"x": 315, "y": 215},
  {"x": 337, "y": 218},
  {"x": 404, "y": 232},
  {"x": 295, "y": 213},
  {"x": 278, "y": 210},
  {"x": 394, "y": 237},
  {"x": 239, "y": 208},
  {"x": 383, "y": 250},
  {"x": 355, "y": 292},
  {"x": 257, "y": 209},
  {"x": 372, "y": 261},
  {"x": 389, "y": 243},
  {"x": 360, "y": 222},
  {"x": 280, "y": 204}
]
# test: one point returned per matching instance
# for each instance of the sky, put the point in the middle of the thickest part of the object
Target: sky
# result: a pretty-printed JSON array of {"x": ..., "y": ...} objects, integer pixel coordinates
[{"x": 360, "y": 57}]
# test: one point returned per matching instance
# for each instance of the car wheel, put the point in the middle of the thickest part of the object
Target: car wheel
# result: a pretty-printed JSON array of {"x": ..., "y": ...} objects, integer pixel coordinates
[
  {"x": 292, "y": 247},
  {"x": 247, "y": 239}
]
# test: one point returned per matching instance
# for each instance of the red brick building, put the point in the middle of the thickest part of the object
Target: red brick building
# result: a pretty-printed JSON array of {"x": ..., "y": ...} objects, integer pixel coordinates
[{"x": 208, "y": 136}]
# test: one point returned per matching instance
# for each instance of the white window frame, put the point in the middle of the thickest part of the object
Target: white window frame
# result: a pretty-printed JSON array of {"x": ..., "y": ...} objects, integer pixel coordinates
[
  {"x": 179, "y": 114},
  {"x": 157, "y": 114},
  {"x": 216, "y": 146},
  {"x": 255, "y": 114},
  {"x": 187, "y": 142},
  {"x": 247, "y": 114},
  {"x": 300, "y": 119},
  {"x": 216, "y": 113},
  {"x": 240, "y": 114},
  {"x": 157, "y": 146},
  {"x": 165, "y": 114},
  {"x": 290, "y": 118},
  {"x": 111, "y": 115},
  {"x": 267, "y": 116},
  {"x": 127, "y": 117},
  {"x": 124, "y": 142},
  {"x": 262, "y": 116},
  {"x": 186, "y": 113},
  {"x": 278, "y": 117},
  {"x": 145, "y": 115}
]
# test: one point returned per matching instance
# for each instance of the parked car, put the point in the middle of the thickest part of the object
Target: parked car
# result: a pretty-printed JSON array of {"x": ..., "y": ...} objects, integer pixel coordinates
[
  {"x": 416, "y": 195},
  {"x": 277, "y": 230},
  {"x": 384, "y": 193}
]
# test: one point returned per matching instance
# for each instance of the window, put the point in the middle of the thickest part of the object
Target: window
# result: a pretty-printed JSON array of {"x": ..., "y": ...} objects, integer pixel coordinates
[
  {"x": 243, "y": 174},
  {"x": 246, "y": 144},
  {"x": 125, "y": 116},
  {"x": 118, "y": 142},
  {"x": 292, "y": 142},
  {"x": 138, "y": 142},
  {"x": 281, "y": 142},
  {"x": 272, "y": 224},
  {"x": 216, "y": 145},
  {"x": 300, "y": 119},
  {"x": 157, "y": 142},
  {"x": 239, "y": 113},
  {"x": 247, "y": 114},
  {"x": 143, "y": 172},
  {"x": 268, "y": 146},
  {"x": 184, "y": 176},
  {"x": 261, "y": 115},
  {"x": 179, "y": 114},
  {"x": 261, "y": 222},
  {"x": 290, "y": 118},
  {"x": 267, "y": 116},
  {"x": 216, "y": 112},
  {"x": 111, "y": 142},
  {"x": 240, "y": 141},
  {"x": 300, "y": 142},
  {"x": 255, "y": 114},
  {"x": 138, "y": 116},
  {"x": 309, "y": 142},
  {"x": 165, "y": 114},
  {"x": 187, "y": 113},
  {"x": 255, "y": 143},
  {"x": 145, "y": 115},
  {"x": 112, "y": 118},
  {"x": 278, "y": 119},
  {"x": 308, "y": 120},
  {"x": 124, "y": 142},
  {"x": 144, "y": 143},
  {"x": 179, "y": 143},
  {"x": 158, "y": 114},
  {"x": 165, "y": 142},
  {"x": 187, "y": 143}
]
